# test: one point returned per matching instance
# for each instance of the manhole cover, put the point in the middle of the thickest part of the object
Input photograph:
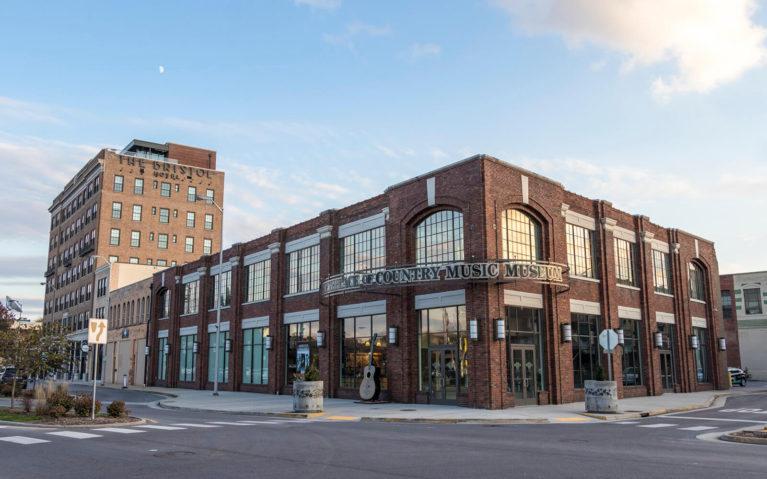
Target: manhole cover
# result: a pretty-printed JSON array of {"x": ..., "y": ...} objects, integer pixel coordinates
[{"x": 173, "y": 453}]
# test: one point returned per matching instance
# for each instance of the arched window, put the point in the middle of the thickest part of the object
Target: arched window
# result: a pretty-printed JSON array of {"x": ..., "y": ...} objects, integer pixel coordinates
[
  {"x": 696, "y": 283},
  {"x": 521, "y": 236},
  {"x": 439, "y": 238}
]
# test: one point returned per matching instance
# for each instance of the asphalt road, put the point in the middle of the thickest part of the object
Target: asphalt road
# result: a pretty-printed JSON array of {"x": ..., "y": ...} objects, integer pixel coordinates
[{"x": 221, "y": 445}]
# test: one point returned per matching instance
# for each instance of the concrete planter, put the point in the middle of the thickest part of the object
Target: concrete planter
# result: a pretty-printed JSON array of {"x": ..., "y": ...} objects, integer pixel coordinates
[
  {"x": 307, "y": 396},
  {"x": 601, "y": 396}
]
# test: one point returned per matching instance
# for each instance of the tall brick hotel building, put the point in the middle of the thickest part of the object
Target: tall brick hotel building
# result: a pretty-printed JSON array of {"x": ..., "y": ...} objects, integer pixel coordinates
[{"x": 486, "y": 286}]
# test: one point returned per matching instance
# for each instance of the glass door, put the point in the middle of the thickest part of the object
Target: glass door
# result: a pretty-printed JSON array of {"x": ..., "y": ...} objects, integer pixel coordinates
[
  {"x": 667, "y": 371},
  {"x": 443, "y": 374},
  {"x": 523, "y": 378}
]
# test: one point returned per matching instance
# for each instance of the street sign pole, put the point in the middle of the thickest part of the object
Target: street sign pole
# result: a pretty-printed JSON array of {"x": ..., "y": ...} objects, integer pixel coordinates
[
  {"x": 609, "y": 360},
  {"x": 93, "y": 403}
]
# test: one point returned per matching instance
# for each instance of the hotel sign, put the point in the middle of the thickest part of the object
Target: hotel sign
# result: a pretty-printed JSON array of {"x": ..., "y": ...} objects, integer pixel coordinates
[
  {"x": 165, "y": 169},
  {"x": 542, "y": 272}
]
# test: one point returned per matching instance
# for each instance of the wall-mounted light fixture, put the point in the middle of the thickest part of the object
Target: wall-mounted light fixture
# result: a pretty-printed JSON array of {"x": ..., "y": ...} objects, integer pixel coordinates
[
  {"x": 195, "y": 347},
  {"x": 146, "y": 350},
  {"x": 393, "y": 335},
  {"x": 473, "y": 330},
  {"x": 268, "y": 343},
  {"x": 658, "y": 339},
  {"x": 500, "y": 329},
  {"x": 694, "y": 342},
  {"x": 228, "y": 346},
  {"x": 567, "y": 333},
  {"x": 320, "y": 339},
  {"x": 621, "y": 338},
  {"x": 166, "y": 349},
  {"x": 722, "y": 344}
]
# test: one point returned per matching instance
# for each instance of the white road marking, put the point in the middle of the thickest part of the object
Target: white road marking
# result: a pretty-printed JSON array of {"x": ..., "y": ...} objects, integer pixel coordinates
[
  {"x": 74, "y": 434},
  {"x": 22, "y": 440},
  {"x": 193, "y": 425},
  {"x": 716, "y": 419},
  {"x": 227, "y": 423},
  {"x": 658, "y": 425},
  {"x": 626, "y": 422},
  {"x": 163, "y": 428},
  {"x": 697, "y": 428},
  {"x": 262, "y": 422},
  {"x": 121, "y": 430}
]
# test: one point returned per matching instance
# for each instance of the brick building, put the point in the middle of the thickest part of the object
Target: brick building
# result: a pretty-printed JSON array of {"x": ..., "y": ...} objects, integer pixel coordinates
[
  {"x": 487, "y": 286},
  {"x": 133, "y": 206},
  {"x": 744, "y": 308}
]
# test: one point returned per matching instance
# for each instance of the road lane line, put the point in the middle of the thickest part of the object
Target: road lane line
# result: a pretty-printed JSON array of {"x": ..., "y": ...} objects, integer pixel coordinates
[
  {"x": 717, "y": 419},
  {"x": 229, "y": 423},
  {"x": 697, "y": 428},
  {"x": 119, "y": 430},
  {"x": 23, "y": 440},
  {"x": 626, "y": 422},
  {"x": 74, "y": 434},
  {"x": 658, "y": 425},
  {"x": 188, "y": 424},
  {"x": 163, "y": 428}
]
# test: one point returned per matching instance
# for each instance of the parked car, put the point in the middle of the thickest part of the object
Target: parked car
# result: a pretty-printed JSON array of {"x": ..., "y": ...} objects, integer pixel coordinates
[
  {"x": 7, "y": 373},
  {"x": 737, "y": 376}
]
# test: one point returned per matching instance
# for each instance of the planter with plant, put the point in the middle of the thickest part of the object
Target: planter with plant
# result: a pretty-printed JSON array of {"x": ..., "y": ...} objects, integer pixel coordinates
[
  {"x": 307, "y": 391},
  {"x": 601, "y": 395}
]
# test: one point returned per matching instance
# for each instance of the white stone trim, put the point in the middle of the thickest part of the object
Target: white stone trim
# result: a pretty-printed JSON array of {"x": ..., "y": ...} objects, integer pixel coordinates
[
  {"x": 664, "y": 294},
  {"x": 578, "y": 219},
  {"x": 187, "y": 331},
  {"x": 585, "y": 307},
  {"x": 584, "y": 278},
  {"x": 525, "y": 189},
  {"x": 325, "y": 231},
  {"x": 431, "y": 191},
  {"x": 522, "y": 299},
  {"x": 628, "y": 287},
  {"x": 697, "y": 249},
  {"x": 260, "y": 322},
  {"x": 214, "y": 269},
  {"x": 699, "y": 322},
  {"x": 256, "y": 257},
  {"x": 189, "y": 278},
  {"x": 661, "y": 246},
  {"x": 626, "y": 312},
  {"x": 439, "y": 300},
  {"x": 624, "y": 234},
  {"x": 697, "y": 301},
  {"x": 274, "y": 247},
  {"x": 362, "y": 309},
  {"x": 364, "y": 224},
  {"x": 224, "y": 327},
  {"x": 301, "y": 316},
  {"x": 163, "y": 333},
  {"x": 667, "y": 318},
  {"x": 302, "y": 243}
]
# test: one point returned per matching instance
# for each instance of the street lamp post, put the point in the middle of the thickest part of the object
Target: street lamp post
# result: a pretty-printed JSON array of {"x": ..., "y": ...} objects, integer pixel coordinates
[{"x": 220, "y": 277}]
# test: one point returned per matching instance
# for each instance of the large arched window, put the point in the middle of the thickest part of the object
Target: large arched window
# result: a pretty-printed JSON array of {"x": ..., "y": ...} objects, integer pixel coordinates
[
  {"x": 696, "y": 283},
  {"x": 521, "y": 236},
  {"x": 439, "y": 238}
]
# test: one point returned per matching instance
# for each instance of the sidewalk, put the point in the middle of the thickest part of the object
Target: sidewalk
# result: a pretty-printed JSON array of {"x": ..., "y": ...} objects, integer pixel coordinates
[{"x": 350, "y": 410}]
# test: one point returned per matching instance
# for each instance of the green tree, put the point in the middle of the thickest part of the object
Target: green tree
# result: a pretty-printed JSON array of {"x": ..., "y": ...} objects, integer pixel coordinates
[{"x": 6, "y": 319}]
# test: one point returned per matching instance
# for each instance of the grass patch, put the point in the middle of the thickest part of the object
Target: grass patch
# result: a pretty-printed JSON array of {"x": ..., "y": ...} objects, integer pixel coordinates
[{"x": 17, "y": 415}]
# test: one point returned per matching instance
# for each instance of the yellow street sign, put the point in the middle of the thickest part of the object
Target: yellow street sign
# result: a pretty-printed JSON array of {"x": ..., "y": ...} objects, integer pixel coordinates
[{"x": 97, "y": 331}]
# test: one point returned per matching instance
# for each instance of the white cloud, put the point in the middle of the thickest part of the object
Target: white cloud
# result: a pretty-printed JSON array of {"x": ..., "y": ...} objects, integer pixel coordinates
[
  {"x": 711, "y": 42},
  {"x": 352, "y": 31},
  {"x": 438, "y": 154},
  {"x": 324, "y": 4},
  {"x": 19, "y": 110},
  {"x": 418, "y": 50}
]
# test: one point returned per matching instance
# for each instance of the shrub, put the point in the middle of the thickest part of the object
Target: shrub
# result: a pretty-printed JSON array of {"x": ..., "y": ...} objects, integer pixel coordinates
[
  {"x": 63, "y": 388},
  {"x": 117, "y": 409},
  {"x": 57, "y": 411},
  {"x": 82, "y": 405},
  {"x": 600, "y": 376},
  {"x": 312, "y": 374},
  {"x": 61, "y": 398},
  {"x": 7, "y": 388},
  {"x": 28, "y": 402}
]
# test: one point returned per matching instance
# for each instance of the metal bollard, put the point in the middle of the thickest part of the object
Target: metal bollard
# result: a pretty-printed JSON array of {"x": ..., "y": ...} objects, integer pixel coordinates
[{"x": 125, "y": 381}]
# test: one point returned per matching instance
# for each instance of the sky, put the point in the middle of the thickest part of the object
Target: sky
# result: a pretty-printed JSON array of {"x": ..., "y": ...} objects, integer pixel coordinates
[{"x": 658, "y": 106}]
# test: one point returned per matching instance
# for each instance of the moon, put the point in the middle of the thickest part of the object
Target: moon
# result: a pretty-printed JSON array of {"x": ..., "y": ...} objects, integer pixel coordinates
[{"x": 162, "y": 69}]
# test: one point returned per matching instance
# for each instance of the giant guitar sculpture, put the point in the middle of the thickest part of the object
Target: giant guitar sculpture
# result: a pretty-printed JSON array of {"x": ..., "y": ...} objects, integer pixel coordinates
[{"x": 371, "y": 381}]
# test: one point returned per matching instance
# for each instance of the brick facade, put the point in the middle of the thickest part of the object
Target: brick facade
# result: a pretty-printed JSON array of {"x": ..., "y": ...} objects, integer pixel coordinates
[{"x": 481, "y": 188}]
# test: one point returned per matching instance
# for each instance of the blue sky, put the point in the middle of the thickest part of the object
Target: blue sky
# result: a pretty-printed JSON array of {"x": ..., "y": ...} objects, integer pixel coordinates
[{"x": 658, "y": 106}]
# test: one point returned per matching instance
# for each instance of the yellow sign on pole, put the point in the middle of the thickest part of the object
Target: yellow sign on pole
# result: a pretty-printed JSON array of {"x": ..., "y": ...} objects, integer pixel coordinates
[{"x": 97, "y": 331}]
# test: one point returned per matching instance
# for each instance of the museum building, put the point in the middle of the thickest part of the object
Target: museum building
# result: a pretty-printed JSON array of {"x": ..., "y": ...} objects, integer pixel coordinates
[{"x": 479, "y": 284}]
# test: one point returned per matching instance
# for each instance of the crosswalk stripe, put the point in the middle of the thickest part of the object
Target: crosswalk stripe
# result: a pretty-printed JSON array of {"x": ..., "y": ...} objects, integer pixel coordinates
[
  {"x": 697, "y": 428},
  {"x": 120, "y": 430},
  {"x": 193, "y": 425},
  {"x": 22, "y": 440},
  {"x": 658, "y": 425},
  {"x": 74, "y": 434},
  {"x": 163, "y": 428},
  {"x": 626, "y": 422},
  {"x": 261, "y": 422},
  {"x": 227, "y": 423}
]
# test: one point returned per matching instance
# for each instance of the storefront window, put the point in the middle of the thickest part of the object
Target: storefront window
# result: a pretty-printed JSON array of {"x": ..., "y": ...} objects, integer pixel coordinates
[
  {"x": 302, "y": 348},
  {"x": 631, "y": 356},
  {"x": 162, "y": 359},
  {"x": 223, "y": 357},
  {"x": 703, "y": 366},
  {"x": 523, "y": 326},
  {"x": 439, "y": 327},
  {"x": 585, "y": 347},
  {"x": 255, "y": 358},
  {"x": 355, "y": 349},
  {"x": 188, "y": 358}
]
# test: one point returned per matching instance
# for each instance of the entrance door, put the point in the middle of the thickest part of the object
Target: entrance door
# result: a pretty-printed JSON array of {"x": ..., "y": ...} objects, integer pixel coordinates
[
  {"x": 667, "y": 371},
  {"x": 523, "y": 378},
  {"x": 443, "y": 374}
]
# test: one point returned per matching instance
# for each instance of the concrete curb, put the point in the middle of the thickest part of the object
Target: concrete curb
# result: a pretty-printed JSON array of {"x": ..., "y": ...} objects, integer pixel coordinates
[
  {"x": 734, "y": 436},
  {"x": 456, "y": 420},
  {"x": 295, "y": 415},
  {"x": 140, "y": 421}
]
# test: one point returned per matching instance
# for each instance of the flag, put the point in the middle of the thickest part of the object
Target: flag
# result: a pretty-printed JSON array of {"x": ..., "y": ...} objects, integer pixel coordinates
[{"x": 13, "y": 304}]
